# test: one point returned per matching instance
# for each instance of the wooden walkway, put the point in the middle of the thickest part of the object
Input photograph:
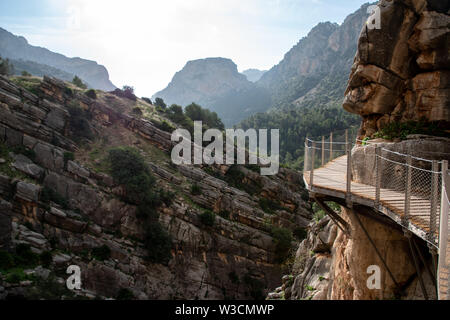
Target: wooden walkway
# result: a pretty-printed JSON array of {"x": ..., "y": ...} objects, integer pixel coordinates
[{"x": 331, "y": 180}]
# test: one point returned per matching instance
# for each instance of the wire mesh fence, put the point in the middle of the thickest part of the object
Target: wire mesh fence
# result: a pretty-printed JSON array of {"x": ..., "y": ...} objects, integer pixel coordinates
[{"x": 410, "y": 185}]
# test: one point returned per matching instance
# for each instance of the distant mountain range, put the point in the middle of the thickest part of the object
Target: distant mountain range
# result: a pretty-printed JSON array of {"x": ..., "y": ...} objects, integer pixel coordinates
[
  {"x": 215, "y": 83},
  {"x": 39, "y": 61},
  {"x": 254, "y": 75},
  {"x": 314, "y": 72}
]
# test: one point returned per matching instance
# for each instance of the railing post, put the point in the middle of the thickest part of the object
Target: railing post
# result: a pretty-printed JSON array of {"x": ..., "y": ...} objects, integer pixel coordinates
[
  {"x": 311, "y": 178},
  {"x": 323, "y": 151},
  {"x": 405, "y": 219},
  {"x": 378, "y": 176},
  {"x": 331, "y": 146},
  {"x": 443, "y": 223},
  {"x": 346, "y": 136},
  {"x": 434, "y": 199},
  {"x": 305, "y": 160},
  {"x": 349, "y": 174}
]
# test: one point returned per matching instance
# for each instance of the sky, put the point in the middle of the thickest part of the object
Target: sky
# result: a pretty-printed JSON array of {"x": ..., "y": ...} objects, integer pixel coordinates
[{"x": 143, "y": 43}]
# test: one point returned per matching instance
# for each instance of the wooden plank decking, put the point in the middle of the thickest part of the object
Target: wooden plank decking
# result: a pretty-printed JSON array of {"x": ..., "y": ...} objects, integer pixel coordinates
[{"x": 331, "y": 180}]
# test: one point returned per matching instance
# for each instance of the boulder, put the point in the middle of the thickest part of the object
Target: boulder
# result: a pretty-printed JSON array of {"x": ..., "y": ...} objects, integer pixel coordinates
[{"x": 27, "y": 166}]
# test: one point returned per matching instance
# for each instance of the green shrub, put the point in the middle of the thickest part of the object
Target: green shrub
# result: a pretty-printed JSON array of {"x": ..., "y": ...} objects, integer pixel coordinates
[
  {"x": 6, "y": 260},
  {"x": 6, "y": 68},
  {"x": 158, "y": 243},
  {"x": 160, "y": 103},
  {"x": 300, "y": 233},
  {"x": 91, "y": 94},
  {"x": 269, "y": 206},
  {"x": 24, "y": 256},
  {"x": 79, "y": 121},
  {"x": 68, "y": 91},
  {"x": 164, "y": 126},
  {"x": 26, "y": 74},
  {"x": 46, "y": 259},
  {"x": 21, "y": 149},
  {"x": 128, "y": 168},
  {"x": 101, "y": 253},
  {"x": 400, "y": 130},
  {"x": 68, "y": 156},
  {"x": 225, "y": 214},
  {"x": 283, "y": 243},
  {"x": 79, "y": 83},
  {"x": 166, "y": 197},
  {"x": 235, "y": 178},
  {"x": 148, "y": 100},
  {"x": 125, "y": 294},
  {"x": 137, "y": 111},
  {"x": 17, "y": 275},
  {"x": 147, "y": 211},
  {"x": 210, "y": 119},
  {"x": 196, "y": 190},
  {"x": 49, "y": 195},
  {"x": 208, "y": 218}
]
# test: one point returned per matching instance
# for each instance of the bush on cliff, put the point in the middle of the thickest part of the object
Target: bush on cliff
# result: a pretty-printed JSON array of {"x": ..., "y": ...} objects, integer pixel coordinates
[
  {"x": 101, "y": 253},
  {"x": 79, "y": 83},
  {"x": 160, "y": 103},
  {"x": 79, "y": 121},
  {"x": 283, "y": 243},
  {"x": 91, "y": 94},
  {"x": 6, "y": 68},
  {"x": 126, "y": 92},
  {"x": 158, "y": 243},
  {"x": 208, "y": 218},
  {"x": 129, "y": 169}
]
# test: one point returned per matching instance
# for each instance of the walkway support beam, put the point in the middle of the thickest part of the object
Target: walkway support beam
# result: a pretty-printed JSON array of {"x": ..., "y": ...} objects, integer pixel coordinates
[
  {"x": 338, "y": 220},
  {"x": 376, "y": 249}
]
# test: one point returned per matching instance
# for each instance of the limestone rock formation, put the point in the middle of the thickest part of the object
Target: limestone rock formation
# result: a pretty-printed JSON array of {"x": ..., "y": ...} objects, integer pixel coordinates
[
  {"x": 331, "y": 265},
  {"x": 216, "y": 84},
  {"x": 57, "y": 198},
  {"x": 400, "y": 71}
]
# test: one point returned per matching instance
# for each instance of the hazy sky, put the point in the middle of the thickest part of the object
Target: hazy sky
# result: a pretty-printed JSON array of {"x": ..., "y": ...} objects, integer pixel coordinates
[{"x": 143, "y": 43}]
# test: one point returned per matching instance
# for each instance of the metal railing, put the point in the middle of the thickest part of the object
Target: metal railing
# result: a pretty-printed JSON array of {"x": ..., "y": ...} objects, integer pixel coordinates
[
  {"x": 415, "y": 189},
  {"x": 418, "y": 180}
]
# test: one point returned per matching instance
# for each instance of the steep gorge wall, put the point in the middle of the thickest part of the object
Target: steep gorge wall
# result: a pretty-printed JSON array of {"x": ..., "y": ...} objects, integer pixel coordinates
[
  {"x": 203, "y": 258},
  {"x": 401, "y": 71},
  {"x": 331, "y": 265}
]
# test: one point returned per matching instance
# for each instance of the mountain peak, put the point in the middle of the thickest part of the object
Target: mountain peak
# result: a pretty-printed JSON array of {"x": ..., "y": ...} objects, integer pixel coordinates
[{"x": 17, "y": 48}]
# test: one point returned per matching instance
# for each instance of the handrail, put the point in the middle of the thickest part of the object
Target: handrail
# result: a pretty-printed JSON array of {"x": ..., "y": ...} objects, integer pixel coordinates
[{"x": 413, "y": 179}]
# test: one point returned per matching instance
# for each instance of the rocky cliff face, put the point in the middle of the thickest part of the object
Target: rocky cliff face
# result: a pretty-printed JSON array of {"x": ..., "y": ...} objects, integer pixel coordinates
[
  {"x": 57, "y": 199},
  {"x": 331, "y": 265},
  {"x": 399, "y": 74},
  {"x": 216, "y": 84},
  {"x": 18, "y": 48},
  {"x": 316, "y": 68},
  {"x": 400, "y": 71}
]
